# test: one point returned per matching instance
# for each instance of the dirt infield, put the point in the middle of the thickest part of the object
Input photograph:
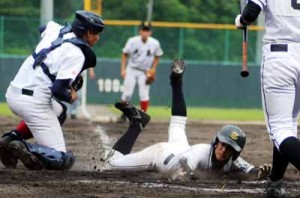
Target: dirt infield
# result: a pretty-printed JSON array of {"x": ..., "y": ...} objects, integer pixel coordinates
[{"x": 86, "y": 140}]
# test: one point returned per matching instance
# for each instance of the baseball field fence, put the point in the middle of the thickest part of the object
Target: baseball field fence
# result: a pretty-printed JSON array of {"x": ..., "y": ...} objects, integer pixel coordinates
[{"x": 213, "y": 53}]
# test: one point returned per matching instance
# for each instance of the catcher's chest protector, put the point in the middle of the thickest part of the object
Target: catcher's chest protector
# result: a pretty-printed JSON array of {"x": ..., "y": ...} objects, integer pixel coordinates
[{"x": 90, "y": 57}]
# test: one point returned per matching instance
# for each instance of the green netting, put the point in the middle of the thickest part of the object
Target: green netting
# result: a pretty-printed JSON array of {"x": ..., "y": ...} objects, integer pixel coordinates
[{"x": 19, "y": 36}]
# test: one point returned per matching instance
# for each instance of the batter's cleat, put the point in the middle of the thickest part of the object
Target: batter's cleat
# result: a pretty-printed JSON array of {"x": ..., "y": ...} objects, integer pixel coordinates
[
  {"x": 177, "y": 70},
  {"x": 20, "y": 151},
  {"x": 133, "y": 114},
  {"x": 275, "y": 189}
]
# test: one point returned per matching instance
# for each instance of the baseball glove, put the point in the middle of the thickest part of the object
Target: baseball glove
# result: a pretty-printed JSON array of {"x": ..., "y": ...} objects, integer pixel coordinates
[
  {"x": 150, "y": 77},
  {"x": 77, "y": 84}
]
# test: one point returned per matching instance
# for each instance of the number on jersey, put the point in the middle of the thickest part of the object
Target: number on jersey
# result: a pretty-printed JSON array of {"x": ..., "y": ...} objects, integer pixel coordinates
[{"x": 287, "y": 7}]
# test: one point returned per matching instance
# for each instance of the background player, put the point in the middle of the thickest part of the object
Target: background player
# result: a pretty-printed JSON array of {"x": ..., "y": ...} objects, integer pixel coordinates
[
  {"x": 280, "y": 83},
  {"x": 61, "y": 56},
  {"x": 141, "y": 54},
  {"x": 176, "y": 156}
]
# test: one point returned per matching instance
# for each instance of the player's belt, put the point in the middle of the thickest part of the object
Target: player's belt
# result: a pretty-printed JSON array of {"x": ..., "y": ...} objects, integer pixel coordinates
[
  {"x": 27, "y": 92},
  {"x": 139, "y": 69},
  {"x": 279, "y": 47}
]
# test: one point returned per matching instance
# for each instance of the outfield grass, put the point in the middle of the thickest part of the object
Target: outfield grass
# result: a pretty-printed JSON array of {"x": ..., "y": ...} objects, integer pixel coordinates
[
  {"x": 200, "y": 113},
  {"x": 160, "y": 112},
  {"x": 4, "y": 110}
]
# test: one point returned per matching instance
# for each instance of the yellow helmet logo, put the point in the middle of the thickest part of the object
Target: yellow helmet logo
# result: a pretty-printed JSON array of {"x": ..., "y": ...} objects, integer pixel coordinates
[{"x": 234, "y": 135}]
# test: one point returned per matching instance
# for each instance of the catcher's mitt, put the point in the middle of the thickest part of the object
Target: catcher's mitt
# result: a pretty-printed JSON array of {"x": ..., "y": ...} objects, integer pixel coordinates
[
  {"x": 77, "y": 84},
  {"x": 150, "y": 77}
]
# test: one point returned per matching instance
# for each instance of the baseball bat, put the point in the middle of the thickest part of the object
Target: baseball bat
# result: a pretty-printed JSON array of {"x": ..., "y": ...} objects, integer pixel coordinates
[{"x": 244, "y": 72}]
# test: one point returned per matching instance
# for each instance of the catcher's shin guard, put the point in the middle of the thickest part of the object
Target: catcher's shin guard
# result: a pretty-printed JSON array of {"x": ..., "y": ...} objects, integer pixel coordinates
[
  {"x": 53, "y": 159},
  {"x": 37, "y": 157},
  {"x": 19, "y": 149}
]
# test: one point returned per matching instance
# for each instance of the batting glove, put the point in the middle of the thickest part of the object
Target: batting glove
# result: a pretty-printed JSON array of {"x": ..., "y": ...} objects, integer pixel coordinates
[
  {"x": 238, "y": 23},
  {"x": 264, "y": 171}
]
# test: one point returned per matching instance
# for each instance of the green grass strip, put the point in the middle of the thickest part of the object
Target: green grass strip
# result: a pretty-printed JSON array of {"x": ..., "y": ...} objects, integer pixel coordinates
[
  {"x": 201, "y": 113},
  {"x": 4, "y": 110}
]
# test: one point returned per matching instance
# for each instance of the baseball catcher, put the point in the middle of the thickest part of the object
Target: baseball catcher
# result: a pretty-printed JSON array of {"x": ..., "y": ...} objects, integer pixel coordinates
[
  {"x": 63, "y": 53},
  {"x": 176, "y": 156}
]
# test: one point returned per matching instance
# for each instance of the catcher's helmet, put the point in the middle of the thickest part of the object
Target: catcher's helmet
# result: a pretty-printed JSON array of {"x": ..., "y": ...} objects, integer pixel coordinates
[
  {"x": 85, "y": 21},
  {"x": 233, "y": 136}
]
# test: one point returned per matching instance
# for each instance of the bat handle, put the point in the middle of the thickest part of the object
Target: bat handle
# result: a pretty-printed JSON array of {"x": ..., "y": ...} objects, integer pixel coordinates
[{"x": 245, "y": 72}]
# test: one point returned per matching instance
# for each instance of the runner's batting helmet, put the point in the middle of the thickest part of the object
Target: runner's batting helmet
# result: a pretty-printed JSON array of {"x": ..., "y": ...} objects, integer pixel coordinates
[
  {"x": 85, "y": 21},
  {"x": 233, "y": 136}
]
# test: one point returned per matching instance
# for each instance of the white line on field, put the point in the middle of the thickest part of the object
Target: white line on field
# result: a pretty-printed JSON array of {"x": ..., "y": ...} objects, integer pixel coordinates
[
  {"x": 105, "y": 142},
  {"x": 156, "y": 185},
  {"x": 104, "y": 138}
]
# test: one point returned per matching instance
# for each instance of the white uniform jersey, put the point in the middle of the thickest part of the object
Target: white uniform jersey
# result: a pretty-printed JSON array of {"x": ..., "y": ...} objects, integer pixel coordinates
[
  {"x": 36, "y": 79},
  {"x": 166, "y": 156},
  {"x": 199, "y": 157},
  {"x": 141, "y": 55},
  {"x": 282, "y": 19}
]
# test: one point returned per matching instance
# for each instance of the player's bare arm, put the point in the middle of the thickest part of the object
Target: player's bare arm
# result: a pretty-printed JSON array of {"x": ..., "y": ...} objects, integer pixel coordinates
[
  {"x": 123, "y": 64},
  {"x": 155, "y": 64}
]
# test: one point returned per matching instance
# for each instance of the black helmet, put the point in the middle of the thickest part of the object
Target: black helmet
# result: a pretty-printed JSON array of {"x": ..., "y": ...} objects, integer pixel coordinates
[
  {"x": 233, "y": 136},
  {"x": 146, "y": 25},
  {"x": 85, "y": 21}
]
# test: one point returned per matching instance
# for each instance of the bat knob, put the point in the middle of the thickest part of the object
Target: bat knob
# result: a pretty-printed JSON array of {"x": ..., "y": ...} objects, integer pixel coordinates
[{"x": 244, "y": 74}]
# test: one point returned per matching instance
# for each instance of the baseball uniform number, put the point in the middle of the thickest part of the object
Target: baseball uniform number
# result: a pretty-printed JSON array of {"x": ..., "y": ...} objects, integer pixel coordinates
[
  {"x": 296, "y": 4},
  {"x": 286, "y": 8}
]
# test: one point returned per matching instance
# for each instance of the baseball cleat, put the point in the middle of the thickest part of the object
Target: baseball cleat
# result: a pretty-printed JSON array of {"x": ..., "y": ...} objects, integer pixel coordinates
[
  {"x": 178, "y": 66},
  {"x": 275, "y": 189},
  {"x": 133, "y": 114},
  {"x": 7, "y": 160},
  {"x": 20, "y": 151},
  {"x": 177, "y": 70}
]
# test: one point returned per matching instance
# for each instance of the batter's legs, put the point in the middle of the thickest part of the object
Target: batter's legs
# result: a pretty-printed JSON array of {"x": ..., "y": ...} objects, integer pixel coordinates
[{"x": 279, "y": 165}]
